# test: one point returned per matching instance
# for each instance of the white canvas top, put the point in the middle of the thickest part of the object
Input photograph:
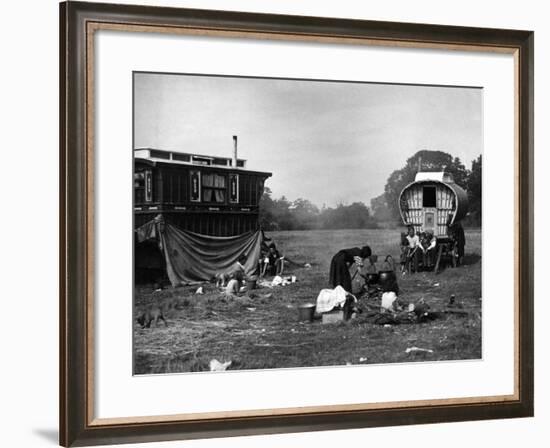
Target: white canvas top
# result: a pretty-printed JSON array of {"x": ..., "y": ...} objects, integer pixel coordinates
[{"x": 440, "y": 176}]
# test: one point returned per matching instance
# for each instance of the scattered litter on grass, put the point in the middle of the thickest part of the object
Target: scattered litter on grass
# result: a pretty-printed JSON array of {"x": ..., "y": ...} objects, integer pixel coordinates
[
  {"x": 251, "y": 309},
  {"x": 277, "y": 280},
  {"x": 307, "y": 266},
  {"x": 362, "y": 359},
  {"x": 436, "y": 285},
  {"x": 283, "y": 281},
  {"x": 264, "y": 284},
  {"x": 387, "y": 326},
  {"x": 199, "y": 290},
  {"x": 418, "y": 349},
  {"x": 217, "y": 366}
]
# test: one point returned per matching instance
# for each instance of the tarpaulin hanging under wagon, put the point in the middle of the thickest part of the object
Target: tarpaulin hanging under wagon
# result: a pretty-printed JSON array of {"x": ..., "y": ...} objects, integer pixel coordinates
[{"x": 191, "y": 257}]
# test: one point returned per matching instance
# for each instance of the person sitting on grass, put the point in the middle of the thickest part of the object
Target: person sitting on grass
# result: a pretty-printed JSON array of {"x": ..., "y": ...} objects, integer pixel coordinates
[
  {"x": 237, "y": 276},
  {"x": 272, "y": 262},
  {"x": 235, "y": 272}
]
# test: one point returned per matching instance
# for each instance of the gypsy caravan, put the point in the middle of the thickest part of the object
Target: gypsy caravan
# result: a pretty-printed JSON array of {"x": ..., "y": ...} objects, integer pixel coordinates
[
  {"x": 434, "y": 205},
  {"x": 194, "y": 215},
  {"x": 216, "y": 196}
]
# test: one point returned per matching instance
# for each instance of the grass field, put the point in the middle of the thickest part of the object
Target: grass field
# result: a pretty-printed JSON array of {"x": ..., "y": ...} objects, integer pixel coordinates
[{"x": 262, "y": 332}]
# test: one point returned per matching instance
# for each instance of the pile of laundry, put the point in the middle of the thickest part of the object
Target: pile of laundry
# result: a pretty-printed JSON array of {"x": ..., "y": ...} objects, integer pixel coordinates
[
  {"x": 277, "y": 281},
  {"x": 337, "y": 299}
]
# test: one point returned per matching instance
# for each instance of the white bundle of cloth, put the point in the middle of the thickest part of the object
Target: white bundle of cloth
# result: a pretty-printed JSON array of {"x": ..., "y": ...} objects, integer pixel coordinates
[
  {"x": 389, "y": 301},
  {"x": 328, "y": 299}
]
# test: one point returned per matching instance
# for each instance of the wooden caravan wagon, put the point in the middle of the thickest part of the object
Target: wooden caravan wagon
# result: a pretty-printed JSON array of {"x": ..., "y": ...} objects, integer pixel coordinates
[
  {"x": 207, "y": 195},
  {"x": 434, "y": 204},
  {"x": 214, "y": 196}
]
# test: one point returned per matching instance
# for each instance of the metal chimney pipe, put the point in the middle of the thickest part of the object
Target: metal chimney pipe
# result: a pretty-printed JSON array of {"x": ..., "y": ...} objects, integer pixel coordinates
[{"x": 234, "y": 151}]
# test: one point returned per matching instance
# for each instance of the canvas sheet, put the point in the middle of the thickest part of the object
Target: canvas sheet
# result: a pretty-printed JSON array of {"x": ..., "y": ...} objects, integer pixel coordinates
[{"x": 193, "y": 258}]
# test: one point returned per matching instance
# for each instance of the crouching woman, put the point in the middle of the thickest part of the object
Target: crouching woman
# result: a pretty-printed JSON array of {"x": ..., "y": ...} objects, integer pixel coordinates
[{"x": 341, "y": 262}]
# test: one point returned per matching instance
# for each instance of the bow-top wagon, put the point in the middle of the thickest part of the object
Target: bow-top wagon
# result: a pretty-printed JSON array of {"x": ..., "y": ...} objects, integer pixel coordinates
[{"x": 434, "y": 205}]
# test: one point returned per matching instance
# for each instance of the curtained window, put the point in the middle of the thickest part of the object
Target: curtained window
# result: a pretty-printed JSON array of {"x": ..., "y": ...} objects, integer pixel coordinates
[
  {"x": 214, "y": 188},
  {"x": 139, "y": 187}
]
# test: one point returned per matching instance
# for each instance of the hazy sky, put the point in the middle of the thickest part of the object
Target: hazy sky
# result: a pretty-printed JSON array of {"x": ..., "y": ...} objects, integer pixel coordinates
[{"x": 327, "y": 142}]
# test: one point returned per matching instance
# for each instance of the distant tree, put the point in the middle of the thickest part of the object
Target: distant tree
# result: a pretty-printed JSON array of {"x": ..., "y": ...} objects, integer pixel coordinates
[
  {"x": 353, "y": 216},
  {"x": 305, "y": 214},
  {"x": 267, "y": 207},
  {"x": 473, "y": 186},
  {"x": 302, "y": 214},
  {"x": 283, "y": 214},
  {"x": 430, "y": 161},
  {"x": 379, "y": 208}
]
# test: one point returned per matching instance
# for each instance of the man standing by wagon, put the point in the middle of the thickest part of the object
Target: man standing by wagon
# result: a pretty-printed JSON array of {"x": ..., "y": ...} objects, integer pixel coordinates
[{"x": 340, "y": 263}]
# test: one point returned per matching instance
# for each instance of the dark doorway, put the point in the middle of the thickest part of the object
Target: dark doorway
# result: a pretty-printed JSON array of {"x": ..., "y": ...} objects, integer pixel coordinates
[{"x": 428, "y": 197}]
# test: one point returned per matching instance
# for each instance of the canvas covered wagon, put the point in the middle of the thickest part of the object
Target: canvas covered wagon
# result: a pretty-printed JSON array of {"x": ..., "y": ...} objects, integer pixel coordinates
[{"x": 435, "y": 205}]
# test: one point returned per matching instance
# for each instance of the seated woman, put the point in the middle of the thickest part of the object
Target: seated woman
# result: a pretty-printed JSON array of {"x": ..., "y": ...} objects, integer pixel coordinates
[
  {"x": 428, "y": 243},
  {"x": 272, "y": 262}
]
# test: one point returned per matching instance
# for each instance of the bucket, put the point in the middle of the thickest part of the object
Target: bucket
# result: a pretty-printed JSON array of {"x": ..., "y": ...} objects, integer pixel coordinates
[{"x": 305, "y": 312}]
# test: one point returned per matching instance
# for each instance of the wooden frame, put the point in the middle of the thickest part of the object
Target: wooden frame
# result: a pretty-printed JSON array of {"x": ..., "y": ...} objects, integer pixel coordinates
[{"x": 78, "y": 21}]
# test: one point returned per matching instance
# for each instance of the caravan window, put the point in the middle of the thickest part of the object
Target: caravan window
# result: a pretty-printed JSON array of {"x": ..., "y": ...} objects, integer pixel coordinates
[
  {"x": 213, "y": 188},
  {"x": 428, "y": 197},
  {"x": 139, "y": 187}
]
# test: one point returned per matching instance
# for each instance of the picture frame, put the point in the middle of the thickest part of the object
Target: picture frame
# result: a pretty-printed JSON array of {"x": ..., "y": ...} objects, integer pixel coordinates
[{"x": 78, "y": 24}]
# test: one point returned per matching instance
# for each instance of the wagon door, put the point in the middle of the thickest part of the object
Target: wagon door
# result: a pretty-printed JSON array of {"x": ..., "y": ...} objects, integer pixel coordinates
[{"x": 429, "y": 204}]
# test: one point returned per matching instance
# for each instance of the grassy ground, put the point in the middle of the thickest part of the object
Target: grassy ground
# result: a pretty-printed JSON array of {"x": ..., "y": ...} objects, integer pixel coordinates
[{"x": 262, "y": 331}]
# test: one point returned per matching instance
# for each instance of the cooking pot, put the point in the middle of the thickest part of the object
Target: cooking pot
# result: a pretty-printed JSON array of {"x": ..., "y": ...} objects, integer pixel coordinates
[
  {"x": 387, "y": 280},
  {"x": 372, "y": 278}
]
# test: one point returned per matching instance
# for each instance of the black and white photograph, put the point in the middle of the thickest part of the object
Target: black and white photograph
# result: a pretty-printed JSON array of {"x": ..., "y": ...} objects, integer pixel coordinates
[{"x": 291, "y": 223}]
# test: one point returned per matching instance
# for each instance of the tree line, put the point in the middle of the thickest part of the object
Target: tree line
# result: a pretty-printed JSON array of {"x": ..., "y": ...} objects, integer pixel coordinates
[{"x": 302, "y": 214}]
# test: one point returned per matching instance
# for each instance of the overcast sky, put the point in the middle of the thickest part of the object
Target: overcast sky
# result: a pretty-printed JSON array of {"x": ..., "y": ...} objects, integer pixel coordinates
[{"x": 328, "y": 142}]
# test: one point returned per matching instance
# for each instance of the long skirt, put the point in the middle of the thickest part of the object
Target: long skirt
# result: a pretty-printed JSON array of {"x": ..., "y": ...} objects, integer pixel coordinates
[{"x": 339, "y": 272}]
